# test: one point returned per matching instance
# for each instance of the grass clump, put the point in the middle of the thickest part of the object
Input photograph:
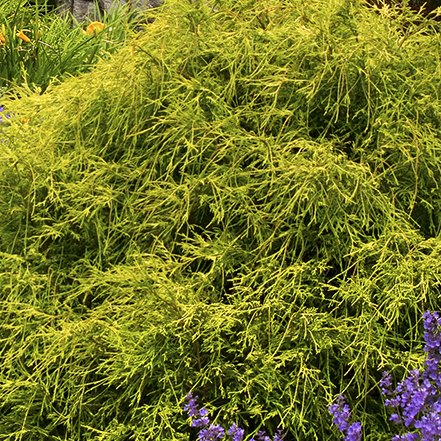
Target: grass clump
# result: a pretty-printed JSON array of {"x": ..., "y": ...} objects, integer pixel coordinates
[{"x": 243, "y": 201}]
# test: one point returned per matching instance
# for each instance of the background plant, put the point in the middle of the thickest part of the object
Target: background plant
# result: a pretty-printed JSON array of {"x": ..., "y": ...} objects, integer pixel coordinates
[
  {"x": 253, "y": 213},
  {"x": 57, "y": 47}
]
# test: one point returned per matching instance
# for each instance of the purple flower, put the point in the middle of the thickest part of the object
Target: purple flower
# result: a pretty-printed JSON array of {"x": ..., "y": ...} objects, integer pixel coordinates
[
  {"x": 354, "y": 432},
  {"x": 198, "y": 416},
  {"x": 432, "y": 339},
  {"x": 261, "y": 436},
  {"x": 212, "y": 433},
  {"x": 342, "y": 413},
  {"x": 236, "y": 432},
  {"x": 395, "y": 418},
  {"x": 432, "y": 334},
  {"x": 200, "y": 422},
  {"x": 406, "y": 437},
  {"x": 278, "y": 436},
  {"x": 386, "y": 383},
  {"x": 191, "y": 407}
]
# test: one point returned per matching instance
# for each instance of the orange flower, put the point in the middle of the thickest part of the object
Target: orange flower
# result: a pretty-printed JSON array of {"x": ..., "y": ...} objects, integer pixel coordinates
[
  {"x": 22, "y": 36},
  {"x": 94, "y": 28},
  {"x": 2, "y": 38}
]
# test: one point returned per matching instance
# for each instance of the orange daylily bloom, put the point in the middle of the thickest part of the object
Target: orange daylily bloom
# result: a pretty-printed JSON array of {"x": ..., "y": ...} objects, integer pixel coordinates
[
  {"x": 93, "y": 28},
  {"x": 2, "y": 38},
  {"x": 22, "y": 36}
]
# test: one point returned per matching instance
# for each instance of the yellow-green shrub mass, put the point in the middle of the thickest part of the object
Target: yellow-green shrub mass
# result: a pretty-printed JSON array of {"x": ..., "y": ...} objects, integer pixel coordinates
[{"x": 245, "y": 202}]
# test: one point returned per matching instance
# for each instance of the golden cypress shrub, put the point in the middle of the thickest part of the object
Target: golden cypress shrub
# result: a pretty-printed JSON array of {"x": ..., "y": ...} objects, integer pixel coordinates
[{"x": 244, "y": 202}]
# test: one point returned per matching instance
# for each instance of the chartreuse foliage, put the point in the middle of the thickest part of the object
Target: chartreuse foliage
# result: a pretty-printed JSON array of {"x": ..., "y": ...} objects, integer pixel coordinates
[{"x": 243, "y": 202}]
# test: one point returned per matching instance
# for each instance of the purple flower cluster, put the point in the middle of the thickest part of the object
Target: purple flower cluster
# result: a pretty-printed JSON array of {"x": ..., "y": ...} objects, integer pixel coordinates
[
  {"x": 198, "y": 416},
  {"x": 342, "y": 414},
  {"x": 416, "y": 400},
  {"x": 212, "y": 432},
  {"x": 432, "y": 340}
]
